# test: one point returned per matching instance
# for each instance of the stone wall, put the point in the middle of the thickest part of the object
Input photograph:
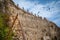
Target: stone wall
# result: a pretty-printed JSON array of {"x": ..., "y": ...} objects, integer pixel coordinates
[{"x": 30, "y": 27}]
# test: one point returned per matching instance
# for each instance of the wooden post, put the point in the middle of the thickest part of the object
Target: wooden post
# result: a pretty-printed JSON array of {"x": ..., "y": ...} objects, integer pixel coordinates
[
  {"x": 10, "y": 29},
  {"x": 22, "y": 30}
]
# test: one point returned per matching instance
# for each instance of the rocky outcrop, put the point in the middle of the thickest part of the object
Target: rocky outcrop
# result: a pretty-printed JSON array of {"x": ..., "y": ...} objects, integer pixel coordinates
[{"x": 27, "y": 26}]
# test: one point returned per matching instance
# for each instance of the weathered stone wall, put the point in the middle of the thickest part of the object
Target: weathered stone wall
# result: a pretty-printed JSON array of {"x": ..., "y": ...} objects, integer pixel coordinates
[{"x": 30, "y": 27}]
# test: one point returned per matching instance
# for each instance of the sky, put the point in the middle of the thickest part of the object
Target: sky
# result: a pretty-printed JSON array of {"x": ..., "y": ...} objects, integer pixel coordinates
[{"x": 44, "y": 8}]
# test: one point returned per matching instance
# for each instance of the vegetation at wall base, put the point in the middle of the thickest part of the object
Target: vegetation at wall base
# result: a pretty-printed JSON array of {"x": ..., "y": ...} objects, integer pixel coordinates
[{"x": 4, "y": 28}]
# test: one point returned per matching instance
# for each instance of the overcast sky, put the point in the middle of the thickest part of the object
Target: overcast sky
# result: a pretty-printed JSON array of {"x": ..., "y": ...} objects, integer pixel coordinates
[{"x": 45, "y": 8}]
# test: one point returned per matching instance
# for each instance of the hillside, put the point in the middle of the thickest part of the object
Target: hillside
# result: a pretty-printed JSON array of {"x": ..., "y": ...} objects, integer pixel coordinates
[{"x": 27, "y": 26}]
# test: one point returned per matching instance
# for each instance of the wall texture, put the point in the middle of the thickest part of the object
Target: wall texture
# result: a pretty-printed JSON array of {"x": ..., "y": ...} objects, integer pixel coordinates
[{"x": 27, "y": 26}]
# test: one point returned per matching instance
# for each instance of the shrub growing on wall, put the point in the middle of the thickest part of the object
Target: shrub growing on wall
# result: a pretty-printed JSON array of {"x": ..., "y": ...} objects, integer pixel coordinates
[{"x": 4, "y": 28}]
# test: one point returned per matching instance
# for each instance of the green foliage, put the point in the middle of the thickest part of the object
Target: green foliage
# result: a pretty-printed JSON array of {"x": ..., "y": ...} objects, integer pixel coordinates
[{"x": 4, "y": 28}]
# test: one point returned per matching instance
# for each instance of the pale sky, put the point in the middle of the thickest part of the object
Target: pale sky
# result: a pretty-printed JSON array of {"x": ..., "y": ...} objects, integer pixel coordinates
[{"x": 45, "y": 8}]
